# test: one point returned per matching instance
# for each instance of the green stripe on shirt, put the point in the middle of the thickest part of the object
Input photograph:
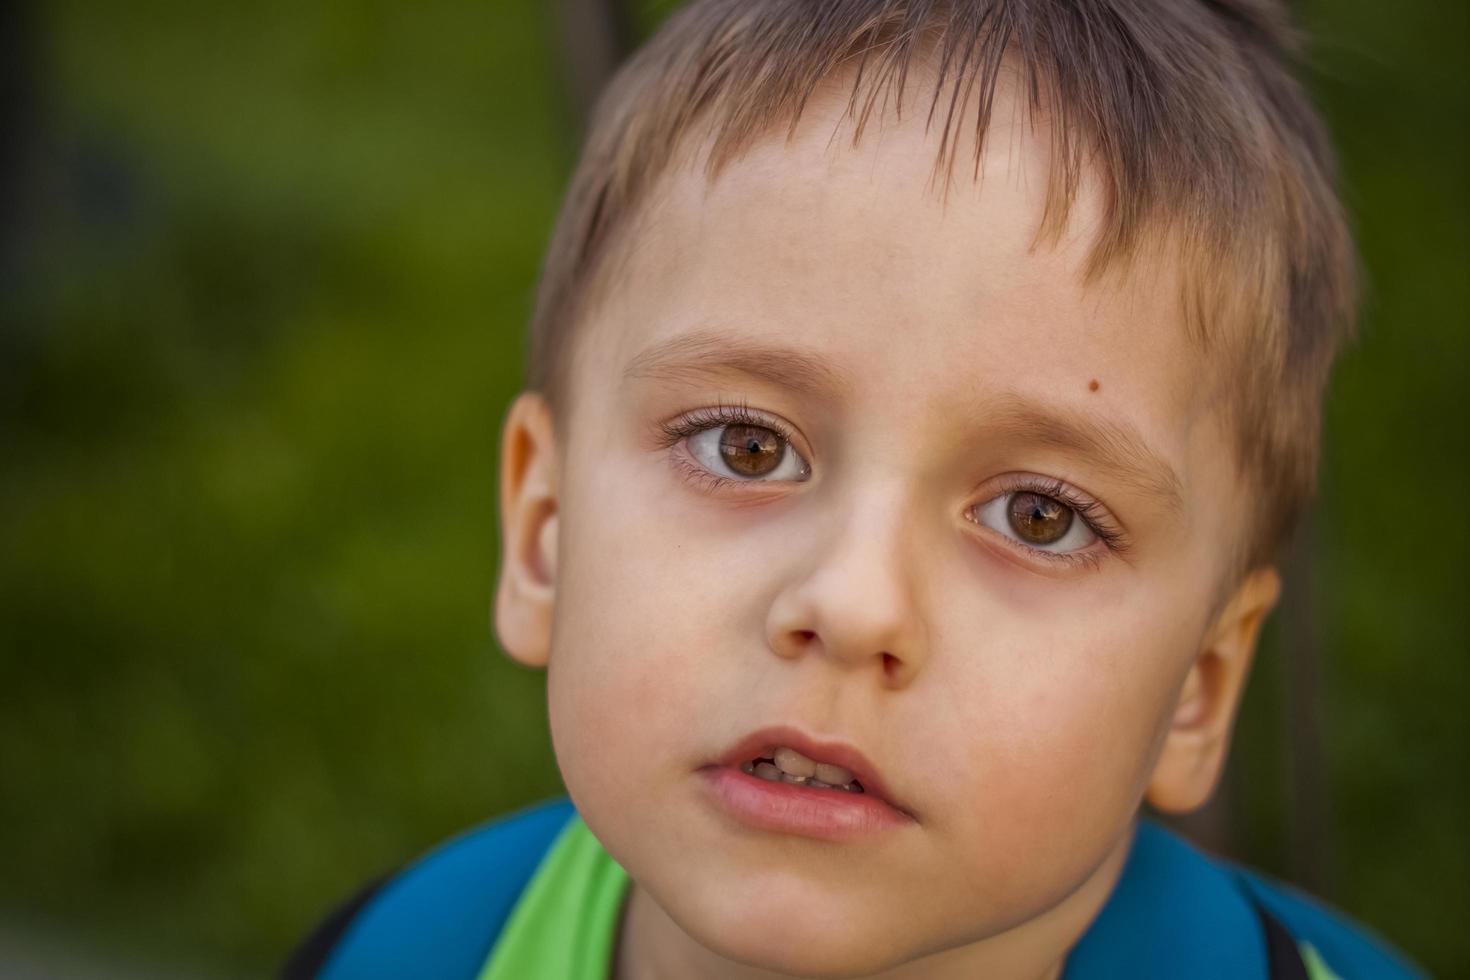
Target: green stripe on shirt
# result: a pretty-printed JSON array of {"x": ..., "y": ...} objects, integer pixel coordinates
[
  {"x": 565, "y": 923},
  {"x": 1317, "y": 968}
]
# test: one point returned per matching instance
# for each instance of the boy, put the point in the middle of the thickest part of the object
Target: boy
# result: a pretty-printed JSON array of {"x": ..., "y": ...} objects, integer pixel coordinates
[{"x": 889, "y": 538}]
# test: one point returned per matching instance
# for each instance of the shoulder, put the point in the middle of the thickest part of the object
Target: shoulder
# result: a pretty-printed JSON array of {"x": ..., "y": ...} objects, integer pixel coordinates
[
  {"x": 439, "y": 915},
  {"x": 1173, "y": 913},
  {"x": 1177, "y": 911},
  {"x": 1350, "y": 949},
  {"x": 1347, "y": 948}
]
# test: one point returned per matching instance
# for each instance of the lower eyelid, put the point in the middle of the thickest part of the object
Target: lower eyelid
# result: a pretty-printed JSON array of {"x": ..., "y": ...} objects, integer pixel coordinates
[
  {"x": 691, "y": 470},
  {"x": 1088, "y": 556}
]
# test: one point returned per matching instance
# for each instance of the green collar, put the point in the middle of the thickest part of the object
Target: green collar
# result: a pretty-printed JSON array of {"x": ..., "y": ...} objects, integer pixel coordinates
[{"x": 565, "y": 923}]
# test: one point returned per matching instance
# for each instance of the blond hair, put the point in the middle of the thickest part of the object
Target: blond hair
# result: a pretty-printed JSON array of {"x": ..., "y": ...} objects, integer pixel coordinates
[{"x": 1187, "y": 111}]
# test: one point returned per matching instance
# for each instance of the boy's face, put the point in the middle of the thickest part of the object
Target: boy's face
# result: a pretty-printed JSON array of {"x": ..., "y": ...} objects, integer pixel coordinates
[{"x": 1019, "y": 682}]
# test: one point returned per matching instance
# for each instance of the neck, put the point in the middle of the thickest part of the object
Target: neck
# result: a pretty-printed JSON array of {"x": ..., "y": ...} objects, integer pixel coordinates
[{"x": 652, "y": 946}]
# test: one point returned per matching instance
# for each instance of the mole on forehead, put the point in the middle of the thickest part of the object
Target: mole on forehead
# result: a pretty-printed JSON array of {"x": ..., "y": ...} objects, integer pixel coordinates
[{"x": 712, "y": 355}]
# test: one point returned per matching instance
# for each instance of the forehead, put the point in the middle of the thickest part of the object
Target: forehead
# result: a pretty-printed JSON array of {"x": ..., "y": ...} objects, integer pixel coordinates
[
  {"x": 930, "y": 300},
  {"x": 804, "y": 233}
]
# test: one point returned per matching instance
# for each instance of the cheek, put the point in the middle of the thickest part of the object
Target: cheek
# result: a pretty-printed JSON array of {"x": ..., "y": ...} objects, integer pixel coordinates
[
  {"x": 629, "y": 649},
  {"x": 1056, "y": 727}
]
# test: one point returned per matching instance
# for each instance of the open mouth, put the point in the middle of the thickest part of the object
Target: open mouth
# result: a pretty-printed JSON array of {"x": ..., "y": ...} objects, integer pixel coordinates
[
  {"x": 835, "y": 768},
  {"x": 783, "y": 780},
  {"x": 787, "y": 765}
]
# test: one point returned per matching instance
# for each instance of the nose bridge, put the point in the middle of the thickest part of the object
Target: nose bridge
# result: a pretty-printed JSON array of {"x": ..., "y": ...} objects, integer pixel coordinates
[{"x": 857, "y": 597}]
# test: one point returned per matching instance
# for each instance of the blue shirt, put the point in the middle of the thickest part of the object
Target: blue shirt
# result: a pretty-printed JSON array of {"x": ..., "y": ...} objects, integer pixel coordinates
[{"x": 1175, "y": 912}]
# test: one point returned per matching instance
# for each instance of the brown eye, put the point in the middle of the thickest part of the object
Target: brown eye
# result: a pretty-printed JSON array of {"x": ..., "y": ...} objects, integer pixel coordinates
[
  {"x": 750, "y": 450},
  {"x": 741, "y": 449},
  {"x": 1039, "y": 519}
]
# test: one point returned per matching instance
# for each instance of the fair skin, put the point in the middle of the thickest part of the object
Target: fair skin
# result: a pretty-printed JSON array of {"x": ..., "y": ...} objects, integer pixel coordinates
[{"x": 1022, "y": 701}]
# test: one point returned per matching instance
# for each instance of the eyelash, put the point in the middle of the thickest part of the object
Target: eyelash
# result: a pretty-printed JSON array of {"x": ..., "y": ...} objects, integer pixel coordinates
[
  {"x": 1091, "y": 513},
  {"x": 711, "y": 418}
]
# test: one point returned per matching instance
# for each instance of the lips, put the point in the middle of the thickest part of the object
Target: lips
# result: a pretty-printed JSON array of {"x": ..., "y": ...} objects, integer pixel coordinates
[{"x": 764, "y": 742}]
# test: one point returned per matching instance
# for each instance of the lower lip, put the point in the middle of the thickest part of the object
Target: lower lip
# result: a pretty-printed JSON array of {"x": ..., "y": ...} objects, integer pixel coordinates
[{"x": 789, "y": 808}]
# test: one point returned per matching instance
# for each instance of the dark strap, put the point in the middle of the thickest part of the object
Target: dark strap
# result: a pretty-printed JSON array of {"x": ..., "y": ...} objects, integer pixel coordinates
[
  {"x": 310, "y": 955},
  {"x": 1283, "y": 957}
]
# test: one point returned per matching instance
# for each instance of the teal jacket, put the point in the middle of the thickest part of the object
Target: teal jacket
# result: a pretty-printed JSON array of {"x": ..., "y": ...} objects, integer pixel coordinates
[{"x": 1175, "y": 913}]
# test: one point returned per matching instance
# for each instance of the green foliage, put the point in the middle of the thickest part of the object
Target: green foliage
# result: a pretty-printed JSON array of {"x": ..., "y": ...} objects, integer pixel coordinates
[
  {"x": 260, "y": 357},
  {"x": 253, "y": 369}
]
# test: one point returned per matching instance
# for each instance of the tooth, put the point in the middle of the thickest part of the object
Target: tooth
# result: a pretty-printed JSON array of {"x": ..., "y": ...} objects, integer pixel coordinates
[
  {"x": 786, "y": 777},
  {"x": 792, "y": 761},
  {"x": 836, "y": 775},
  {"x": 747, "y": 767},
  {"x": 767, "y": 771},
  {"x": 819, "y": 784}
]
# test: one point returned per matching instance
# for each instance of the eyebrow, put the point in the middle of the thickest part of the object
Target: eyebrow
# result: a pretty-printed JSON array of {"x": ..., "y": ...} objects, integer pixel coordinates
[
  {"x": 1115, "y": 446},
  {"x": 706, "y": 355}
]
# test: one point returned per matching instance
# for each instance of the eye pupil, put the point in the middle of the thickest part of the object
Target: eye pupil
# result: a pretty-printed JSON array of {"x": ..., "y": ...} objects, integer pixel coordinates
[
  {"x": 1039, "y": 519},
  {"x": 748, "y": 449}
]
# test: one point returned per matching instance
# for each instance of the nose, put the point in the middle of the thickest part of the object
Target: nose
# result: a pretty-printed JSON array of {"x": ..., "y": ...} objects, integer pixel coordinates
[{"x": 855, "y": 601}]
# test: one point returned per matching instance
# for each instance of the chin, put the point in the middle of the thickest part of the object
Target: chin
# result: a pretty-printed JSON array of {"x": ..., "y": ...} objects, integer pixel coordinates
[
  {"x": 813, "y": 961},
  {"x": 821, "y": 947}
]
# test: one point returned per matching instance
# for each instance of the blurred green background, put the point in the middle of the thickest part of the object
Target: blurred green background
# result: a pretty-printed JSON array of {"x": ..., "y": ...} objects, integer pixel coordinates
[{"x": 264, "y": 276}]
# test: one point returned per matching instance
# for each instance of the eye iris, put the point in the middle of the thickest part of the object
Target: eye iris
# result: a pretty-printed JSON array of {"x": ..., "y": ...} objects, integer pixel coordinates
[
  {"x": 750, "y": 449},
  {"x": 1039, "y": 519}
]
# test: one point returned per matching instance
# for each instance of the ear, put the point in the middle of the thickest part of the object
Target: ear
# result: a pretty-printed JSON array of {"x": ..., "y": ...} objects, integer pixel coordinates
[
  {"x": 1198, "y": 738},
  {"x": 528, "y": 521}
]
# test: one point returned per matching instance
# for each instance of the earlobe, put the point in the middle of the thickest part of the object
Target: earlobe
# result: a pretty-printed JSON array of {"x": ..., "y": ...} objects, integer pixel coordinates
[
  {"x": 526, "y": 589},
  {"x": 1198, "y": 738}
]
